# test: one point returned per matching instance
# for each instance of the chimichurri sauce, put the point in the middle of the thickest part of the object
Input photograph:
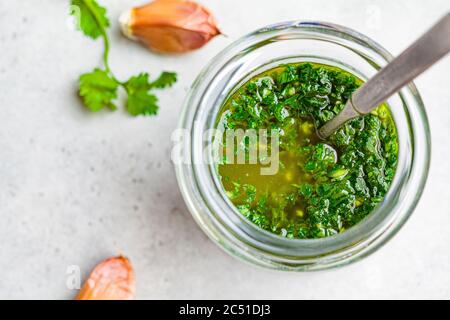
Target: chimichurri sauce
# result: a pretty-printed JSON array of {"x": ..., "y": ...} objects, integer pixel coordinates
[{"x": 322, "y": 187}]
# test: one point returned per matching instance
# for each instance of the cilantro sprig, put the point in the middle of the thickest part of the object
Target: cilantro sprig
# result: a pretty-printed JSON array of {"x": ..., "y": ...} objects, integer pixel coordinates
[{"x": 98, "y": 89}]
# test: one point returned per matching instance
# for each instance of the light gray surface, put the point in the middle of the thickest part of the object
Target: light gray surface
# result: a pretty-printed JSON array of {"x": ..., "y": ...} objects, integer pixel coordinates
[{"x": 77, "y": 187}]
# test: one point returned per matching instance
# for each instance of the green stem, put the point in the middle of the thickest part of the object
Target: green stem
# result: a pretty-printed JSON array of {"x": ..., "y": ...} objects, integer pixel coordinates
[
  {"x": 105, "y": 39},
  {"x": 106, "y": 52}
]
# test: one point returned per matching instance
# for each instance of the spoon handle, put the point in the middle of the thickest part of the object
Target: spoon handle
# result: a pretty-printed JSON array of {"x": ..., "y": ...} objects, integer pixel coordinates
[{"x": 423, "y": 53}]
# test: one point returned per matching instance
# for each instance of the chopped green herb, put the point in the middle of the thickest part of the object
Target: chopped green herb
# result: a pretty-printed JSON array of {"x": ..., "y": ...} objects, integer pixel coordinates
[{"x": 322, "y": 187}]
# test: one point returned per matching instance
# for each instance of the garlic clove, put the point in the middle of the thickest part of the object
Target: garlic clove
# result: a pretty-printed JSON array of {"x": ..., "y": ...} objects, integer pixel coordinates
[
  {"x": 170, "y": 26},
  {"x": 112, "y": 279}
]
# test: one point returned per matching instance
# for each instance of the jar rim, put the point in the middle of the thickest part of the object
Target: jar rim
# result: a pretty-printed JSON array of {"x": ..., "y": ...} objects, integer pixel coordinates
[{"x": 340, "y": 248}]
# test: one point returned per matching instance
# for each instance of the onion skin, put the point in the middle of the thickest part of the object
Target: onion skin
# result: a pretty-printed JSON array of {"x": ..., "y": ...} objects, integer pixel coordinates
[
  {"x": 112, "y": 279},
  {"x": 170, "y": 26}
]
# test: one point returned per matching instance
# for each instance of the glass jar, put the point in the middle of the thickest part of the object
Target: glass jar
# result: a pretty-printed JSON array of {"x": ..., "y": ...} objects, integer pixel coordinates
[{"x": 261, "y": 50}]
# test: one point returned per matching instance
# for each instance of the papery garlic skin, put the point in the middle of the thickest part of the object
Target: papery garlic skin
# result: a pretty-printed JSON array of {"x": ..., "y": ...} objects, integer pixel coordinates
[
  {"x": 125, "y": 24},
  {"x": 170, "y": 26},
  {"x": 112, "y": 279}
]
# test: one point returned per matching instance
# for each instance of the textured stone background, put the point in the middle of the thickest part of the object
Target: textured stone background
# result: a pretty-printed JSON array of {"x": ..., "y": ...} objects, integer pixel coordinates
[{"x": 77, "y": 187}]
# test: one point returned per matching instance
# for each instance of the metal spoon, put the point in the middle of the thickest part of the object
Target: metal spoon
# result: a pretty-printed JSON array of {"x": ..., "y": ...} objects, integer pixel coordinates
[{"x": 423, "y": 53}]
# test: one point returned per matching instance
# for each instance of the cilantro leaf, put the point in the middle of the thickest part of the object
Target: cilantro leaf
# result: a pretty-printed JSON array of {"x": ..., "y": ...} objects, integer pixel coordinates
[
  {"x": 165, "y": 79},
  {"x": 140, "y": 101},
  {"x": 92, "y": 17},
  {"x": 98, "y": 90}
]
